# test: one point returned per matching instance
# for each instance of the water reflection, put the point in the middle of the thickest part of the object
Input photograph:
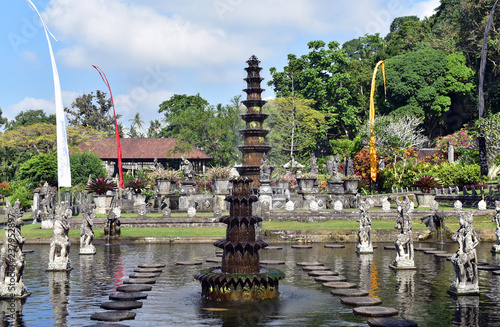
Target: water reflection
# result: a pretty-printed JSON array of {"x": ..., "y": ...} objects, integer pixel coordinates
[
  {"x": 467, "y": 311},
  {"x": 59, "y": 293},
  {"x": 11, "y": 312},
  {"x": 405, "y": 292}
]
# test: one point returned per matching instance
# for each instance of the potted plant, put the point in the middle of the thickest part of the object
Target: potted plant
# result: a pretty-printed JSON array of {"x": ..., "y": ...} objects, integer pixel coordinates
[
  {"x": 351, "y": 183},
  {"x": 101, "y": 186},
  {"x": 164, "y": 178},
  {"x": 138, "y": 186},
  {"x": 306, "y": 181},
  {"x": 426, "y": 184},
  {"x": 220, "y": 178}
]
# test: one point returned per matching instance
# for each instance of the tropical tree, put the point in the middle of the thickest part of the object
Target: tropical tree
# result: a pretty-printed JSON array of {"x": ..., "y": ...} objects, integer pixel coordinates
[
  {"x": 136, "y": 127},
  {"x": 39, "y": 169},
  {"x": 30, "y": 117},
  {"x": 154, "y": 128},
  {"x": 84, "y": 164}
]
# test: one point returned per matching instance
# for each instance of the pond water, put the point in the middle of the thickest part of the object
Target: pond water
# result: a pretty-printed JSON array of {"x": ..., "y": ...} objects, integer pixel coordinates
[{"x": 60, "y": 299}]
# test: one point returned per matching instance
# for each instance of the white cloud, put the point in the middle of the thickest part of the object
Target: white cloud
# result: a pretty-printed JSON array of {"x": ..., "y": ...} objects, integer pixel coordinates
[{"x": 48, "y": 106}]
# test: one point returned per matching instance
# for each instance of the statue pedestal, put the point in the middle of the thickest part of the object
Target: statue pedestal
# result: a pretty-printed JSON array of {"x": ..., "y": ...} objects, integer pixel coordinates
[
  {"x": 403, "y": 264},
  {"x": 463, "y": 289},
  {"x": 88, "y": 249},
  {"x": 364, "y": 248},
  {"x": 59, "y": 265},
  {"x": 13, "y": 291},
  {"x": 265, "y": 193},
  {"x": 187, "y": 188}
]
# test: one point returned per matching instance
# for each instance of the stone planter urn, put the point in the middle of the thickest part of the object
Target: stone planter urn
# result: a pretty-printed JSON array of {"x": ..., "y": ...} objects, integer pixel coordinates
[
  {"x": 103, "y": 203},
  {"x": 335, "y": 187},
  {"x": 351, "y": 186},
  {"x": 220, "y": 186},
  {"x": 163, "y": 185},
  {"x": 283, "y": 185},
  {"x": 424, "y": 199},
  {"x": 139, "y": 199},
  {"x": 306, "y": 184}
]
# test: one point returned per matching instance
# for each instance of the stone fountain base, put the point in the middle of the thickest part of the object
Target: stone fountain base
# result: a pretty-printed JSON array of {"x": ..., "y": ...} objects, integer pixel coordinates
[{"x": 220, "y": 286}]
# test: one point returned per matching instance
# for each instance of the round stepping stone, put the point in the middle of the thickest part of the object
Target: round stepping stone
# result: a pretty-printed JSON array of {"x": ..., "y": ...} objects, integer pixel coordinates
[
  {"x": 349, "y": 292},
  {"x": 121, "y": 305},
  {"x": 496, "y": 272},
  {"x": 273, "y": 248},
  {"x": 375, "y": 311},
  {"x": 317, "y": 268},
  {"x": 302, "y": 246},
  {"x": 216, "y": 260},
  {"x": 188, "y": 263},
  {"x": 330, "y": 279},
  {"x": 219, "y": 253},
  {"x": 309, "y": 263},
  {"x": 144, "y": 275},
  {"x": 334, "y": 246},
  {"x": 134, "y": 288},
  {"x": 148, "y": 270},
  {"x": 435, "y": 252},
  {"x": 107, "y": 325},
  {"x": 424, "y": 249},
  {"x": 389, "y": 247},
  {"x": 128, "y": 296},
  {"x": 360, "y": 300},
  {"x": 152, "y": 265},
  {"x": 391, "y": 322},
  {"x": 272, "y": 262},
  {"x": 321, "y": 273},
  {"x": 28, "y": 251},
  {"x": 339, "y": 285},
  {"x": 112, "y": 315},
  {"x": 139, "y": 281},
  {"x": 443, "y": 255},
  {"x": 488, "y": 267}
]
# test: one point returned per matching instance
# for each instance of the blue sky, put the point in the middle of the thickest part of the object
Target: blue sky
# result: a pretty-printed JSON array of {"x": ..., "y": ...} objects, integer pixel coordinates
[{"x": 152, "y": 49}]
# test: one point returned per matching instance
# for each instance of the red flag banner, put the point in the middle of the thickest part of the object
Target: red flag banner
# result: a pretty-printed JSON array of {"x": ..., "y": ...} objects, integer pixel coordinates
[{"x": 118, "y": 145}]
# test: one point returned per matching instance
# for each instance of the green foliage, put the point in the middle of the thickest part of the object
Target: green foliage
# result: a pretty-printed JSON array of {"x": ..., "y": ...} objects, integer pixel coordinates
[
  {"x": 5, "y": 188},
  {"x": 100, "y": 186},
  {"x": 426, "y": 183},
  {"x": 39, "y": 169},
  {"x": 193, "y": 121},
  {"x": 401, "y": 175},
  {"x": 84, "y": 164},
  {"x": 345, "y": 147},
  {"x": 451, "y": 174},
  {"x": 30, "y": 117},
  {"x": 23, "y": 191},
  {"x": 138, "y": 186}
]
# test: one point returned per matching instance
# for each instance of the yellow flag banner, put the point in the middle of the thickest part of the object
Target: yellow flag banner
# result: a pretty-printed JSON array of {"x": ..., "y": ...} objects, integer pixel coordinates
[{"x": 371, "y": 122}]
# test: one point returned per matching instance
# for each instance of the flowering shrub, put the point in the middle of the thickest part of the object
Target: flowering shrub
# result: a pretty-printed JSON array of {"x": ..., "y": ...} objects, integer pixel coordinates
[
  {"x": 5, "y": 189},
  {"x": 322, "y": 185},
  {"x": 288, "y": 177},
  {"x": 203, "y": 187},
  {"x": 460, "y": 139}
]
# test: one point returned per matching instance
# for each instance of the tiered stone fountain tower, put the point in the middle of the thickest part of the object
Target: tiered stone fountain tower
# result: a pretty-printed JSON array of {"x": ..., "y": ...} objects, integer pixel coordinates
[
  {"x": 254, "y": 135},
  {"x": 240, "y": 277}
]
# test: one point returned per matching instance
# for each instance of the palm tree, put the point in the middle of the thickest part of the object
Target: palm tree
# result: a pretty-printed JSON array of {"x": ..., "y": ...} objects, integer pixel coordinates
[
  {"x": 154, "y": 128},
  {"x": 137, "y": 122}
]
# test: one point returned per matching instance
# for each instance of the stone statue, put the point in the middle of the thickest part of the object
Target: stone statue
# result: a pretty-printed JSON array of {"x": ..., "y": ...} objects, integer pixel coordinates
[
  {"x": 156, "y": 164},
  {"x": 112, "y": 227},
  {"x": 404, "y": 240},
  {"x": 365, "y": 229},
  {"x": 381, "y": 164},
  {"x": 496, "y": 219},
  {"x": 265, "y": 168},
  {"x": 465, "y": 259},
  {"x": 313, "y": 169},
  {"x": 332, "y": 167},
  {"x": 47, "y": 201},
  {"x": 86, "y": 230},
  {"x": 165, "y": 207},
  {"x": 11, "y": 255},
  {"x": 59, "y": 243},
  {"x": 187, "y": 168},
  {"x": 435, "y": 221},
  {"x": 349, "y": 168}
]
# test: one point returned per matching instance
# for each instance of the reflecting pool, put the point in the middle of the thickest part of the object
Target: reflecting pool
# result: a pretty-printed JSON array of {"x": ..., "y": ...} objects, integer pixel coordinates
[{"x": 61, "y": 299}]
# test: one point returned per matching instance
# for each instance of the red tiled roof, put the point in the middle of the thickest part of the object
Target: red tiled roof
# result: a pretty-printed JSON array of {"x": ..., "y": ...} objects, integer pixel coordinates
[{"x": 138, "y": 149}]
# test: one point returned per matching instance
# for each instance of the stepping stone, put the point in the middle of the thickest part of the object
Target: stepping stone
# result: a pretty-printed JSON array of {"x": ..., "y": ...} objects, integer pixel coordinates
[
  {"x": 391, "y": 322},
  {"x": 28, "y": 251},
  {"x": 481, "y": 263},
  {"x": 107, "y": 325},
  {"x": 334, "y": 246},
  {"x": 309, "y": 263},
  {"x": 435, "y": 252},
  {"x": 139, "y": 281},
  {"x": 219, "y": 253},
  {"x": 317, "y": 268},
  {"x": 488, "y": 267},
  {"x": 496, "y": 272},
  {"x": 375, "y": 311},
  {"x": 134, "y": 288},
  {"x": 339, "y": 285},
  {"x": 112, "y": 315},
  {"x": 424, "y": 249},
  {"x": 389, "y": 247},
  {"x": 443, "y": 255},
  {"x": 128, "y": 296},
  {"x": 121, "y": 305},
  {"x": 361, "y": 300},
  {"x": 216, "y": 260},
  {"x": 144, "y": 275},
  {"x": 330, "y": 279},
  {"x": 152, "y": 265},
  {"x": 273, "y": 248},
  {"x": 272, "y": 262},
  {"x": 189, "y": 263},
  {"x": 148, "y": 270},
  {"x": 349, "y": 292},
  {"x": 302, "y": 246},
  {"x": 321, "y": 273}
]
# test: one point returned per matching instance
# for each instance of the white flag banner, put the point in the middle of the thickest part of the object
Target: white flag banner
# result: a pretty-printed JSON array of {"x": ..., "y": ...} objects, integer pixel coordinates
[{"x": 63, "y": 166}]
